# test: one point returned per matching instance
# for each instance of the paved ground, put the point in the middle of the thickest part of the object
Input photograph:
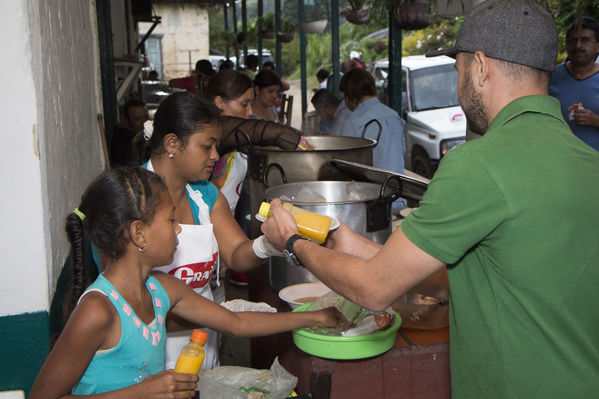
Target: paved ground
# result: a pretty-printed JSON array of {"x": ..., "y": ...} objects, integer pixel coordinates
[{"x": 295, "y": 90}]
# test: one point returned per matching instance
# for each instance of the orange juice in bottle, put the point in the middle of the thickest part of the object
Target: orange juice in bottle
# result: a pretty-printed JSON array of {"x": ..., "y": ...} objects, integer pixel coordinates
[
  {"x": 192, "y": 355},
  {"x": 309, "y": 224}
]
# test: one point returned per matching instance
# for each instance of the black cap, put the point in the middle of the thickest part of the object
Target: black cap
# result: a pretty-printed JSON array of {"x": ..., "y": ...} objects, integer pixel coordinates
[{"x": 518, "y": 31}]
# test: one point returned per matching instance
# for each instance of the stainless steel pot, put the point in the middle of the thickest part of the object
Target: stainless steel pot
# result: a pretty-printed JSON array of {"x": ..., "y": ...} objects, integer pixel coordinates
[
  {"x": 365, "y": 207},
  {"x": 270, "y": 166}
]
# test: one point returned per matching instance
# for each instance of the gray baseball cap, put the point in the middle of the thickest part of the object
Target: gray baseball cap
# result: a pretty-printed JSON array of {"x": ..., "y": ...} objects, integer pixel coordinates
[{"x": 518, "y": 31}]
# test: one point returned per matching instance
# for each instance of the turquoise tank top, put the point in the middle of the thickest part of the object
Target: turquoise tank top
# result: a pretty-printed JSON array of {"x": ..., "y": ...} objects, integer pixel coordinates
[{"x": 140, "y": 351}]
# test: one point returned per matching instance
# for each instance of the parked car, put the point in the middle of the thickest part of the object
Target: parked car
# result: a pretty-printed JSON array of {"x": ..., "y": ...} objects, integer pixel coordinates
[
  {"x": 266, "y": 56},
  {"x": 215, "y": 60},
  {"x": 435, "y": 123}
]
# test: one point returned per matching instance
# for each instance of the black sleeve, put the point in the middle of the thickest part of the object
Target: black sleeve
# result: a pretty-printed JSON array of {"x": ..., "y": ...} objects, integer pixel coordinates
[{"x": 240, "y": 132}]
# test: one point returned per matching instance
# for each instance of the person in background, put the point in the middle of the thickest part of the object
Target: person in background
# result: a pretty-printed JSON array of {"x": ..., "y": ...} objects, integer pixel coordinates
[
  {"x": 266, "y": 88},
  {"x": 114, "y": 341},
  {"x": 204, "y": 72},
  {"x": 251, "y": 66},
  {"x": 232, "y": 92},
  {"x": 523, "y": 309},
  {"x": 183, "y": 151},
  {"x": 153, "y": 75},
  {"x": 322, "y": 76},
  {"x": 356, "y": 57},
  {"x": 135, "y": 114},
  {"x": 226, "y": 64},
  {"x": 332, "y": 111},
  {"x": 203, "y": 69},
  {"x": 271, "y": 66},
  {"x": 575, "y": 82},
  {"x": 361, "y": 99}
]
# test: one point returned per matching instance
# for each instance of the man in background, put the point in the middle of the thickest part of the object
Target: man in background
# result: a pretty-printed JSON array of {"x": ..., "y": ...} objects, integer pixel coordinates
[
  {"x": 251, "y": 66},
  {"x": 135, "y": 114},
  {"x": 322, "y": 76},
  {"x": 575, "y": 82},
  {"x": 374, "y": 119},
  {"x": 332, "y": 111}
]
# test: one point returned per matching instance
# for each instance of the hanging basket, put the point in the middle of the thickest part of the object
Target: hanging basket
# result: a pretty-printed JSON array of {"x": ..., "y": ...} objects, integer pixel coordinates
[
  {"x": 412, "y": 16},
  {"x": 314, "y": 26},
  {"x": 285, "y": 37},
  {"x": 356, "y": 17},
  {"x": 268, "y": 34}
]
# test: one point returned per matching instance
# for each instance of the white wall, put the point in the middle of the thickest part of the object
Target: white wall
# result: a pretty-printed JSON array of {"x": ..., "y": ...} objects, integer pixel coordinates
[
  {"x": 50, "y": 145},
  {"x": 22, "y": 243},
  {"x": 186, "y": 38}
]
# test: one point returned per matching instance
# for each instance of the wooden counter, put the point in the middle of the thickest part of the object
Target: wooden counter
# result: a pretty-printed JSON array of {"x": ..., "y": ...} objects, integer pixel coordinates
[{"x": 416, "y": 367}]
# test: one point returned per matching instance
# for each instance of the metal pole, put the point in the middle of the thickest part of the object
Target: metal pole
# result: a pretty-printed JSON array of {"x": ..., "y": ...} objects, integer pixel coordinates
[
  {"x": 234, "y": 11},
  {"x": 278, "y": 40},
  {"x": 260, "y": 12},
  {"x": 109, "y": 102},
  {"x": 227, "y": 54},
  {"x": 335, "y": 46},
  {"x": 394, "y": 85},
  {"x": 303, "y": 45},
  {"x": 244, "y": 28}
]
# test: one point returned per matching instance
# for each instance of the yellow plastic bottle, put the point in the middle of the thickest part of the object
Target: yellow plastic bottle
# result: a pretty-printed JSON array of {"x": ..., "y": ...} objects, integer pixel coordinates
[
  {"x": 192, "y": 355},
  {"x": 309, "y": 224}
]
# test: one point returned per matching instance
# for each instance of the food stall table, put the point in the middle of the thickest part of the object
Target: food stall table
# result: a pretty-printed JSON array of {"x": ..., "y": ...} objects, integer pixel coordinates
[{"x": 416, "y": 367}]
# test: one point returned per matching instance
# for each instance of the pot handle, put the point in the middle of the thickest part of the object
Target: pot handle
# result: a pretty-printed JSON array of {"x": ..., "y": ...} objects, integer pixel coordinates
[
  {"x": 396, "y": 194},
  {"x": 378, "y": 136},
  {"x": 273, "y": 165}
]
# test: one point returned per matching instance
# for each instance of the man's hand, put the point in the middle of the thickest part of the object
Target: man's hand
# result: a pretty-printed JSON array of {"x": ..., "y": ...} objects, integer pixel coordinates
[
  {"x": 279, "y": 226},
  {"x": 340, "y": 239},
  {"x": 586, "y": 117}
]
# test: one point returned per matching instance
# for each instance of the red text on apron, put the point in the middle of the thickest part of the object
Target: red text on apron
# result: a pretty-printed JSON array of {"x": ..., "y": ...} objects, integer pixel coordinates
[{"x": 195, "y": 275}]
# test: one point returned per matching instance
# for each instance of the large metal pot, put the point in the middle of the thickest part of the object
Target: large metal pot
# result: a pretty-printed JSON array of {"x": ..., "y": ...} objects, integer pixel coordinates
[
  {"x": 270, "y": 166},
  {"x": 365, "y": 207}
]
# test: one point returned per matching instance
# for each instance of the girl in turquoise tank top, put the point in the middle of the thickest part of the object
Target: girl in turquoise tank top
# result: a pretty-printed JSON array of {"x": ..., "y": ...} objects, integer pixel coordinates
[{"x": 114, "y": 340}]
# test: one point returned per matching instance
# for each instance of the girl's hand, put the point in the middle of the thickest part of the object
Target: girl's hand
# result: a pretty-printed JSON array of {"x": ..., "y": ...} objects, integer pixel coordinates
[
  {"x": 329, "y": 317},
  {"x": 168, "y": 384}
]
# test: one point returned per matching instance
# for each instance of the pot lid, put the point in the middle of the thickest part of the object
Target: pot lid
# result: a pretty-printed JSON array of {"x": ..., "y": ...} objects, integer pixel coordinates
[{"x": 413, "y": 186}]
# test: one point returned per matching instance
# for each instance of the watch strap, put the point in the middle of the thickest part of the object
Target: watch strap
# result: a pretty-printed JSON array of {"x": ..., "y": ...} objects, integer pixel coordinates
[{"x": 289, "y": 252}]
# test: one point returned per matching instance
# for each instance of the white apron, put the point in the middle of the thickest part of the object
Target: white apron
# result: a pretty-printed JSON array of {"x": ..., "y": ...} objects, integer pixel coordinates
[{"x": 195, "y": 261}]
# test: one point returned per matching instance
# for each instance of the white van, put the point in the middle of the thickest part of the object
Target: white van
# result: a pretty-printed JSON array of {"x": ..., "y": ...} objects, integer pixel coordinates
[{"x": 435, "y": 123}]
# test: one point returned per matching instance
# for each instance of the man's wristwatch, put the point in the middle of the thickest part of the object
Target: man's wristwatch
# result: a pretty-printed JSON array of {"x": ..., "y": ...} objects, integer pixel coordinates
[{"x": 289, "y": 252}]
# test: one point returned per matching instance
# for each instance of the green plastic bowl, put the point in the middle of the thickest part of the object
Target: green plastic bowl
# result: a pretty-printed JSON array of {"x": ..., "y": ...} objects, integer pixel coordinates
[{"x": 345, "y": 348}]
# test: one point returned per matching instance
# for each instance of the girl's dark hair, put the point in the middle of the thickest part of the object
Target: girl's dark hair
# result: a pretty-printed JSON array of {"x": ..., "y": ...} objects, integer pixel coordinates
[
  {"x": 266, "y": 78},
  {"x": 183, "y": 114},
  {"x": 228, "y": 84},
  {"x": 110, "y": 204}
]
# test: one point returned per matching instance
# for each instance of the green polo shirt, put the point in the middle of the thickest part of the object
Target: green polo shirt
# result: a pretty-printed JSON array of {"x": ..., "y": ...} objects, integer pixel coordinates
[{"x": 515, "y": 215}]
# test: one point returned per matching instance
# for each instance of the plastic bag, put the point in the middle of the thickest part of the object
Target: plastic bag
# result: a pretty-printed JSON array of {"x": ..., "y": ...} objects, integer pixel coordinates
[
  {"x": 241, "y": 305},
  {"x": 358, "y": 320},
  {"x": 226, "y": 382}
]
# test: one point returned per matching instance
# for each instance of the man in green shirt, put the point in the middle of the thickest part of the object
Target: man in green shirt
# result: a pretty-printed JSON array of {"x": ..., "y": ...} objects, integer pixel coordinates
[{"x": 512, "y": 216}]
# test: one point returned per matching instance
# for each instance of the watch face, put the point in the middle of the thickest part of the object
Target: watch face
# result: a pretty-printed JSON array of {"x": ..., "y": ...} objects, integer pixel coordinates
[{"x": 291, "y": 258}]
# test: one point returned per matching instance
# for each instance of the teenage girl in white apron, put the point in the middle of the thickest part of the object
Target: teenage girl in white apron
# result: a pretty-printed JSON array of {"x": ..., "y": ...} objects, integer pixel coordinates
[
  {"x": 183, "y": 150},
  {"x": 196, "y": 259}
]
